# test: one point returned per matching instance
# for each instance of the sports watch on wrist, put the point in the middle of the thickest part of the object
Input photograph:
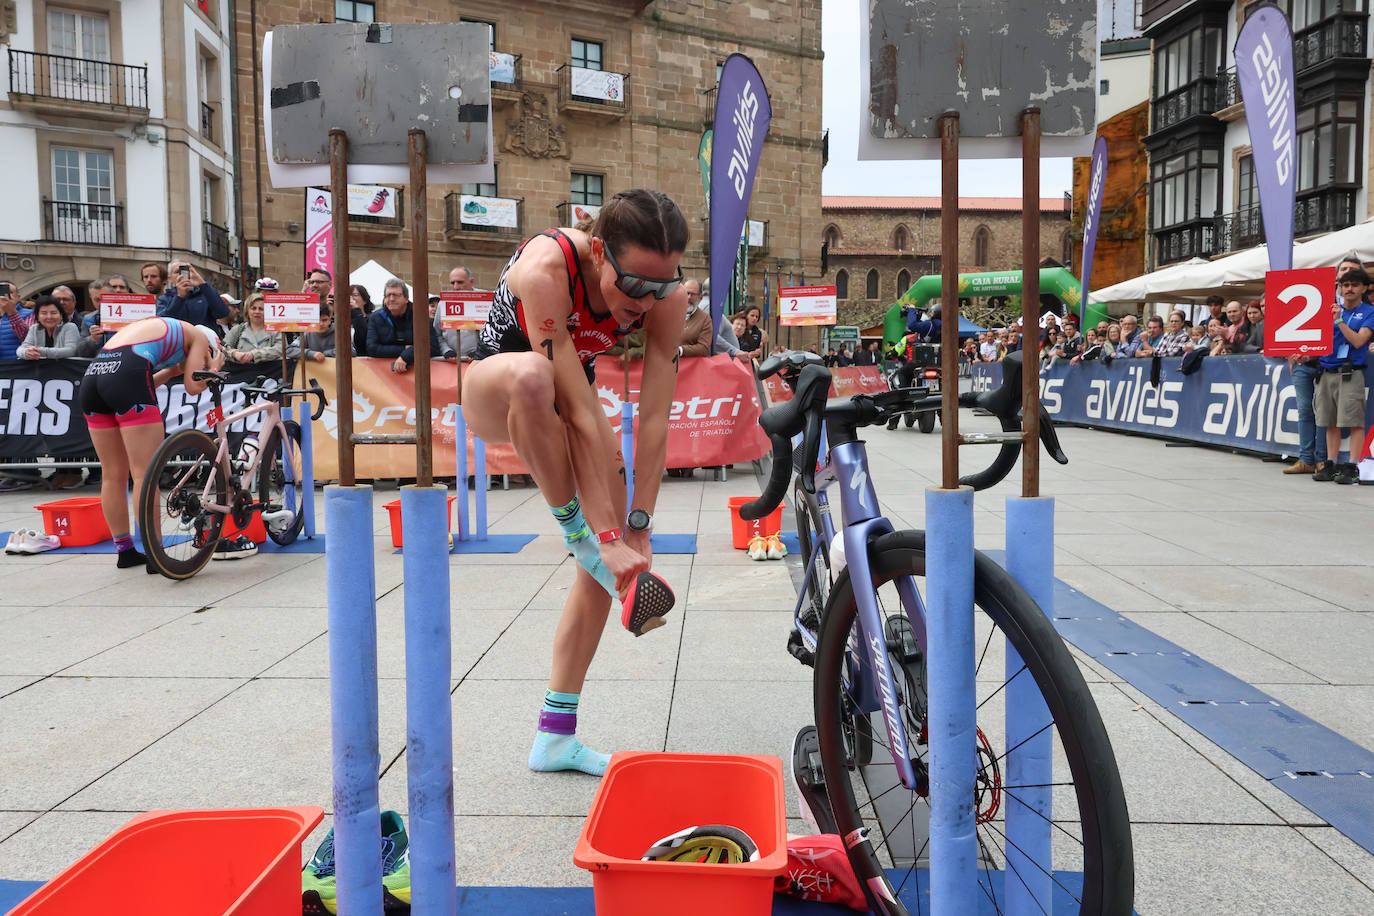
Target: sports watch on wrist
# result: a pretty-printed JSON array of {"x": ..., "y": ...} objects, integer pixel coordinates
[{"x": 639, "y": 520}]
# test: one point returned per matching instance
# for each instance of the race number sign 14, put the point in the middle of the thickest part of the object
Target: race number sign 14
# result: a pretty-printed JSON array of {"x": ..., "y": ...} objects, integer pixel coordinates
[
  {"x": 291, "y": 311},
  {"x": 806, "y": 305},
  {"x": 462, "y": 310},
  {"x": 119, "y": 309},
  {"x": 1297, "y": 311}
]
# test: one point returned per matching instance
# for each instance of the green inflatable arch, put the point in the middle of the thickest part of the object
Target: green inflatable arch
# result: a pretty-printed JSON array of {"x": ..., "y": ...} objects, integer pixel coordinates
[{"x": 1054, "y": 281}]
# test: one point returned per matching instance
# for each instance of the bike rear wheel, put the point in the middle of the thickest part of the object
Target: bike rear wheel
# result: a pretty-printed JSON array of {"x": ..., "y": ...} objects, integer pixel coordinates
[
  {"x": 1091, "y": 859},
  {"x": 279, "y": 483},
  {"x": 178, "y": 533}
]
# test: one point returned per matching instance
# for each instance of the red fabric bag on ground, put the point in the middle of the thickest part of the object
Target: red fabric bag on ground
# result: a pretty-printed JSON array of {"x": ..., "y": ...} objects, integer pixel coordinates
[{"x": 818, "y": 869}]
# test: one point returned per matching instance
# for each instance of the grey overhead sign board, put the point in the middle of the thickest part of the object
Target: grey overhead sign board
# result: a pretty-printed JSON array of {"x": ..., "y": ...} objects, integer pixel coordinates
[
  {"x": 988, "y": 60},
  {"x": 376, "y": 82}
]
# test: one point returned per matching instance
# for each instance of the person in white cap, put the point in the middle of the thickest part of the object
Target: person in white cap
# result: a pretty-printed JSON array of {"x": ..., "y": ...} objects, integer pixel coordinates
[{"x": 119, "y": 401}]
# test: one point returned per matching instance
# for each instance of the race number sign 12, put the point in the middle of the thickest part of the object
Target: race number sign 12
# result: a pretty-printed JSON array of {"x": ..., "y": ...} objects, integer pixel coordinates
[
  {"x": 1297, "y": 311},
  {"x": 119, "y": 309},
  {"x": 463, "y": 310},
  {"x": 806, "y": 305},
  {"x": 291, "y": 311}
]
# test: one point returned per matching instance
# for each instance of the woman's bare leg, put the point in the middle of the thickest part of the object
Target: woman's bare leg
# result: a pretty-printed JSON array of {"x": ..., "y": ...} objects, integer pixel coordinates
[
  {"x": 114, "y": 478},
  {"x": 509, "y": 398}
]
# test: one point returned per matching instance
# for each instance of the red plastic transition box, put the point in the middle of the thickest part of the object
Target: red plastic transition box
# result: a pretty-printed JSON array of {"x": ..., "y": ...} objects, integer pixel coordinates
[
  {"x": 394, "y": 508},
  {"x": 742, "y": 531},
  {"x": 237, "y": 862},
  {"x": 646, "y": 796},
  {"x": 76, "y": 522}
]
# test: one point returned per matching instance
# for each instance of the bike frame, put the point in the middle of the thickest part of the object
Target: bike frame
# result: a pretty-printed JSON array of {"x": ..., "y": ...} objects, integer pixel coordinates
[
  {"x": 871, "y": 685},
  {"x": 222, "y": 466}
]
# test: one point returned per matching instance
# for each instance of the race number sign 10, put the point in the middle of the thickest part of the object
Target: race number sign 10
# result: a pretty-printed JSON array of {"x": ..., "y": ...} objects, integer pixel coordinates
[
  {"x": 1297, "y": 311},
  {"x": 463, "y": 310},
  {"x": 119, "y": 309},
  {"x": 291, "y": 311},
  {"x": 801, "y": 305}
]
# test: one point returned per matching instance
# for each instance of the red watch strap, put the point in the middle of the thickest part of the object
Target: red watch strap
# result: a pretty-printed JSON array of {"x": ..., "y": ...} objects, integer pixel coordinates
[{"x": 605, "y": 537}]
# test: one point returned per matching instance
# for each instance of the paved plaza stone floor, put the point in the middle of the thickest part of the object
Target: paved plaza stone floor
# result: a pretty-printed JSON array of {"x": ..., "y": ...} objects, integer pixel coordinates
[{"x": 121, "y": 692}]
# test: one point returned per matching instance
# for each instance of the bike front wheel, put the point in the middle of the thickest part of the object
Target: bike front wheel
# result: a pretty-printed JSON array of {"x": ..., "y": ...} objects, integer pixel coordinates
[
  {"x": 1090, "y": 856},
  {"x": 279, "y": 484},
  {"x": 179, "y": 534}
]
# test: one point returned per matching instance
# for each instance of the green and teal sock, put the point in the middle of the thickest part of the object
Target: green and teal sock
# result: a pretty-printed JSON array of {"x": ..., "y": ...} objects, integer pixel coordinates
[
  {"x": 578, "y": 537},
  {"x": 555, "y": 744}
]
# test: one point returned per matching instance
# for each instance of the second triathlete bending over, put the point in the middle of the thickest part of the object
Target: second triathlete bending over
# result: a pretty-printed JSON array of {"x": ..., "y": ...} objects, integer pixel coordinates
[{"x": 565, "y": 297}]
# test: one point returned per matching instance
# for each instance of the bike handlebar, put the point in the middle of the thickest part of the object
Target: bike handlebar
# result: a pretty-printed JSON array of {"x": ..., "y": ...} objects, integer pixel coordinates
[
  {"x": 259, "y": 387},
  {"x": 809, "y": 407}
]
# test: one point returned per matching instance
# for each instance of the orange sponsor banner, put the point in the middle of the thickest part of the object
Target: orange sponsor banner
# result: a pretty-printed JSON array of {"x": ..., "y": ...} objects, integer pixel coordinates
[
  {"x": 845, "y": 381},
  {"x": 713, "y": 420}
]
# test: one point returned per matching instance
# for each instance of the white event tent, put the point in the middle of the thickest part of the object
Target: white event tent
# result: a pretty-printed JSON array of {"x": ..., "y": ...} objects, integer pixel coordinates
[
  {"x": 372, "y": 277},
  {"x": 1240, "y": 274}
]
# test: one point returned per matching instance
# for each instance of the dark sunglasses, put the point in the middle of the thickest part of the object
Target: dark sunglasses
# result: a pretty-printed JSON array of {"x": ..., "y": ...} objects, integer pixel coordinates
[{"x": 637, "y": 287}]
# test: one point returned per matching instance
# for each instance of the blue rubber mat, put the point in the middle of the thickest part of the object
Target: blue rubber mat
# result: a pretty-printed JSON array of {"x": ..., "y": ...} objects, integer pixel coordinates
[
  {"x": 302, "y": 545},
  {"x": 578, "y": 901},
  {"x": 673, "y": 543},
  {"x": 494, "y": 543},
  {"x": 1324, "y": 771}
]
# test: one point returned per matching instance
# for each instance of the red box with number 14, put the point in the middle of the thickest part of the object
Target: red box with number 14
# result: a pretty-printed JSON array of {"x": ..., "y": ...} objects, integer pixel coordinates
[{"x": 1297, "y": 311}]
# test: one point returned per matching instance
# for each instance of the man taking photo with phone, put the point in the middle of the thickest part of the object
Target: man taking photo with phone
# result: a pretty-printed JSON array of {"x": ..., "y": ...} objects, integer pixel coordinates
[
  {"x": 189, "y": 298},
  {"x": 14, "y": 319}
]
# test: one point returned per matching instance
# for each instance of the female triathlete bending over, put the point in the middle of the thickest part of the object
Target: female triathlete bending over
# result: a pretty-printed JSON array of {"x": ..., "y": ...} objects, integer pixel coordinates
[
  {"x": 119, "y": 399},
  {"x": 564, "y": 297}
]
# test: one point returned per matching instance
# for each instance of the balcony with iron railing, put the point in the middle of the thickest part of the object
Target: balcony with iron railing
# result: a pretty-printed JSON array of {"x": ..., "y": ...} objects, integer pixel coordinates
[
  {"x": 53, "y": 84},
  {"x": 1239, "y": 230},
  {"x": 83, "y": 224},
  {"x": 1198, "y": 98},
  {"x": 505, "y": 91},
  {"x": 377, "y": 222},
  {"x": 1324, "y": 209},
  {"x": 602, "y": 93},
  {"x": 1193, "y": 239},
  {"x": 216, "y": 242},
  {"x": 570, "y": 214},
  {"x": 1340, "y": 36},
  {"x": 708, "y": 106},
  {"x": 484, "y": 221},
  {"x": 207, "y": 121}
]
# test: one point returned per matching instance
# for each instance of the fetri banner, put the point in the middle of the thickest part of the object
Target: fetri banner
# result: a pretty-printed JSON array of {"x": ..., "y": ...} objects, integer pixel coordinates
[{"x": 845, "y": 381}]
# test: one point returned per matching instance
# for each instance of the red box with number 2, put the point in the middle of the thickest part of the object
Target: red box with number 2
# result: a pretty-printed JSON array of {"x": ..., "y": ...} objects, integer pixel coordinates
[{"x": 1297, "y": 311}]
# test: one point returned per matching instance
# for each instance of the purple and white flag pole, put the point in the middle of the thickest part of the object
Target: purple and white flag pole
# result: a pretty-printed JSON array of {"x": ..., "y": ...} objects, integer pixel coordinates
[
  {"x": 743, "y": 113},
  {"x": 1264, "y": 68},
  {"x": 1097, "y": 180}
]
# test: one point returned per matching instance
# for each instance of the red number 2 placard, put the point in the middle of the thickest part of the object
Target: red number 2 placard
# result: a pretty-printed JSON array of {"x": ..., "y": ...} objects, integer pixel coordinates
[{"x": 1297, "y": 311}]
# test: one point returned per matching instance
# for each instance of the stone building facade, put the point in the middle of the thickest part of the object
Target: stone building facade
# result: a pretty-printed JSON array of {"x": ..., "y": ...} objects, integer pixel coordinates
[
  {"x": 876, "y": 247},
  {"x": 554, "y": 150}
]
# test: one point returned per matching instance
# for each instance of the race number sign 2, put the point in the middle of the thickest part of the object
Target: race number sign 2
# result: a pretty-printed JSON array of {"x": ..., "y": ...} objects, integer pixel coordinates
[
  {"x": 291, "y": 311},
  {"x": 462, "y": 310},
  {"x": 807, "y": 304},
  {"x": 1297, "y": 311},
  {"x": 119, "y": 309}
]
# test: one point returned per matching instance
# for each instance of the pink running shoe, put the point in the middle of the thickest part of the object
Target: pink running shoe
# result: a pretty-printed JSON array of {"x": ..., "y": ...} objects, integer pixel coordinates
[
  {"x": 648, "y": 602},
  {"x": 378, "y": 202}
]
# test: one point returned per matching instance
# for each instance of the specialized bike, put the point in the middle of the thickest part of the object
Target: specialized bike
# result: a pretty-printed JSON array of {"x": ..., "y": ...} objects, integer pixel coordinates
[
  {"x": 861, "y": 624},
  {"x": 193, "y": 484}
]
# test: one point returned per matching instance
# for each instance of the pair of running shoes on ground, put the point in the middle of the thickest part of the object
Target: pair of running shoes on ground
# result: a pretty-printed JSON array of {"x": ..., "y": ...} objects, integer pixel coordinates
[
  {"x": 319, "y": 890},
  {"x": 767, "y": 548}
]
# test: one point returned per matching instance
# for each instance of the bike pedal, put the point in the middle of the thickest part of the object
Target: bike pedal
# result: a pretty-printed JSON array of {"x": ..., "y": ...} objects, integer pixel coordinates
[
  {"x": 901, "y": 639},
  {"x": 809, "y": 778},
  {"x": 798, "y": 650}
]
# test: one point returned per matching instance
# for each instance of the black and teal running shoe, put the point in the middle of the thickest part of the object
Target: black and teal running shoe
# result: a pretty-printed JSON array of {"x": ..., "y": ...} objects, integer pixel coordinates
[{"x": 319, "y": 893}]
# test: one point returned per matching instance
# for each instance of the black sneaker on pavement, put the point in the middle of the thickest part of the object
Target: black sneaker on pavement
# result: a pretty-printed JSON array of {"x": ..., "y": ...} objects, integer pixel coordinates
[
  {"x": 1347, "y": 474},
  {"x": 1326, "y": 470},
  {"x": 235, "y": 548}
]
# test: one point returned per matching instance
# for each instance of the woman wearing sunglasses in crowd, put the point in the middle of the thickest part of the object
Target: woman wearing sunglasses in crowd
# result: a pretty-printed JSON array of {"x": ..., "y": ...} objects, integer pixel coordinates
[{"x": 565, "y": 297}]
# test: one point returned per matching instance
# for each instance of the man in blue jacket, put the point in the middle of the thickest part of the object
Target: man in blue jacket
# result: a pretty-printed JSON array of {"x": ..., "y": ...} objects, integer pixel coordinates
[
  {"x": 190, "y": 298},
  {"x": 1339, "y": 399},
  {"x": 391, "y": 331}
]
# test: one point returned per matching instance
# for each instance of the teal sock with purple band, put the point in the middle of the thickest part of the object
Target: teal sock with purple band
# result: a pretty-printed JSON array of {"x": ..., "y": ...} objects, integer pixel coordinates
[
  {"x": 578, "y": 537},
  {"x": 555, "y": 747}
]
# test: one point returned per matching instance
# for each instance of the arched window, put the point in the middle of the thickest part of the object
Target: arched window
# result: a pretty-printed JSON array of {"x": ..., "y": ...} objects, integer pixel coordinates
[
  {"x": 1066, "y": 245},
  {"x": 982, "y": 240},
  {"x": 903, "y": 282},
  {"x": 842, "y": 285},
  {"x": 871, "y": 290},
  {"x": 832, "y": 237},
  {"x": 901, "y": 239}
]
